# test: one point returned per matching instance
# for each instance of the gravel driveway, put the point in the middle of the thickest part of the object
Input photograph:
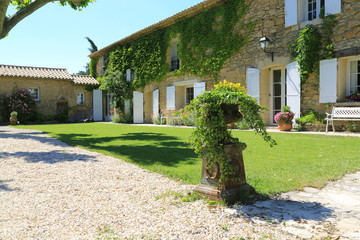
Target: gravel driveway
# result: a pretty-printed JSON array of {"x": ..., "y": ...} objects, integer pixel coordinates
[{"x": 49, "y": 190}]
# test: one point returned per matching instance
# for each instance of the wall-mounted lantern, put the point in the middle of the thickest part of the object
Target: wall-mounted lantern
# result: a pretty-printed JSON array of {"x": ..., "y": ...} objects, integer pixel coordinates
[{"x": 264, "y": 44}]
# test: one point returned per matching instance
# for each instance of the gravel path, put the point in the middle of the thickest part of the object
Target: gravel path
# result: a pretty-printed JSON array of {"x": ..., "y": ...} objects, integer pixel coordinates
[{"x": 49, "y": 190}]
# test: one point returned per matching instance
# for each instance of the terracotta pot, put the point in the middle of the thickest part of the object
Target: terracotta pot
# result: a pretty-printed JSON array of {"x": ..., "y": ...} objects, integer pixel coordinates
[{"x": 284, "y": 126}]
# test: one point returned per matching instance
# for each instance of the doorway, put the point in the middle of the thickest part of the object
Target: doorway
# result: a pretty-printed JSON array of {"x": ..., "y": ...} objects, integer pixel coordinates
[{"x": 277, "y": 91}]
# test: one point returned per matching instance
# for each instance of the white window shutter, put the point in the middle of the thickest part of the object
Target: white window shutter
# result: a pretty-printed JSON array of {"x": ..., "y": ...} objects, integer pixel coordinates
[
  {"x": 199, "y": 88},
  {"x": 170, "y": 98},
  {"x": 128, "y": 75},
  {"x": 293, "y": 88},
  {"x": 332, "y": 6},
  {"x": 291, "y": 12},
  {"x": 328, "y": 81},
  {"x": 253, "y": 82},
  {"x": 155, "y": 102},
  {"x": 97, "y": 105},
  {"x": 138, "y": 107}
]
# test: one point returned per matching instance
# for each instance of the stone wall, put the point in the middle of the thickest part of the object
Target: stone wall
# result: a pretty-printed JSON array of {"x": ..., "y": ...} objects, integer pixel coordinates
[
  {"x": 270, "y": 21},
  {"x": 51, "y": 92}
]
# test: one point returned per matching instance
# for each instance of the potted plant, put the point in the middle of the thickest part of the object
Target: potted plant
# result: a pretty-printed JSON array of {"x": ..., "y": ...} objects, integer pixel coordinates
[
  {"x": 284, "y": 119},
  {"x": 223, "y": 173},
  {"x": 354, "y": 97},
  {"x": 13, "y": 117}
]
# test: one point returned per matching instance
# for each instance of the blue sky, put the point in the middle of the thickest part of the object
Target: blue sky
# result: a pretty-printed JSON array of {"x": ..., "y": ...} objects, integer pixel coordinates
[{"x": 54, "y": 36}]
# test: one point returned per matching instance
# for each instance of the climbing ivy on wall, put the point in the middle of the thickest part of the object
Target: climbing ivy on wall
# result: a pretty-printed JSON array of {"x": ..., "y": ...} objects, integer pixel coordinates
[
  {"x": 206, "y": 41},
  {"x": 314, "y": 44},
  {"x": 211, "y": 38}
]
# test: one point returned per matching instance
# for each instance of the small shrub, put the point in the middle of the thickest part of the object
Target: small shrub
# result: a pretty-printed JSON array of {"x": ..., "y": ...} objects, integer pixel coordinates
[
  {"x": 352, "y": 127},
  {"x": 22, "y": 102},
  {"x": 309, "y": 116},
  {"x": 156, "y": 119},
  {"x": 122, "y": 117}
]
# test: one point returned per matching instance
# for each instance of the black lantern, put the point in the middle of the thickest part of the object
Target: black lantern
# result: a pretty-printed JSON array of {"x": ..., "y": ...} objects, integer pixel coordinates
[{"x": 264, "y": 44}]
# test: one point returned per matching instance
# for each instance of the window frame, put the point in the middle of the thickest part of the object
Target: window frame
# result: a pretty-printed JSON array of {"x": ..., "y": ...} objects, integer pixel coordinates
[
  {"x": 81, "y": 103},
  {"x": 192, "y": 95},
  {"x": 174, "y": 58},
  {"x": 35, "y": 96},
  {"x": 349, "y": 89}
]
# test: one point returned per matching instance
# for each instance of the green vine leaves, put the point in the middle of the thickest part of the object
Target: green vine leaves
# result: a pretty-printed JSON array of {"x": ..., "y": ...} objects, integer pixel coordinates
[
  {"x": 211, "y": 129},
  {"x": 313, "y": 45},
  {"x": 206, "y": 41}
]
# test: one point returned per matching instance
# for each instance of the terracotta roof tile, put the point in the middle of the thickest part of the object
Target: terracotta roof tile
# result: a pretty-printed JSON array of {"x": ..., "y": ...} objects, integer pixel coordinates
[
  {"x": 34, "y": 72},
  {"x": 45, "y": 73},
  {"x": 84, "y": 80}
]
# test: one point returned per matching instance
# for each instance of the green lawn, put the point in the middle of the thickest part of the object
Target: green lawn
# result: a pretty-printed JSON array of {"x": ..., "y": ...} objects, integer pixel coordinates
[{"x": 298, "y": 160}]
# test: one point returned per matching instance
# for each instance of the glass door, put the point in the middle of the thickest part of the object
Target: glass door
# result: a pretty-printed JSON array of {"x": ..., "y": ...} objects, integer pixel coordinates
[
  {"x": 109, "y": 106},
  {"x": 278, "y": 92}
]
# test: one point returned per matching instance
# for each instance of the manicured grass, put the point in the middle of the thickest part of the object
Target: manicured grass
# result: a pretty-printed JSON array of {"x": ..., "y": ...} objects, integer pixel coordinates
[{"x": 298, "y": 160}]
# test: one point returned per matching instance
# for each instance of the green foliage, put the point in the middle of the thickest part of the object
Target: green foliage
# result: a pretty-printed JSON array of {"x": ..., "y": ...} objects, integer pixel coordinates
[
  {"x": 222, "y": 28},
  {"x": 146, "y": 57},
  {"x": 327, "y": 32},
  {"x": 122, "y": 117},
  {"x": 352, "y": 126},
  {"x": 211, "y": 127},
  {"x": 115, "y": 82},
  {"x": 21, "y": 102},
  {"x": 306, "y": 51},
  {"x": 309, "y": 116},
  {"x": 210, "y": 38},
  {"x": 313, "y": 45}
]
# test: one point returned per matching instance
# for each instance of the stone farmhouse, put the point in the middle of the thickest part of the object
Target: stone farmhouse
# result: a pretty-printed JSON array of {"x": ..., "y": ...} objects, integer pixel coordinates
[
  {"x": 269, "y": 72},
  {"x": 53, "y": 89}
]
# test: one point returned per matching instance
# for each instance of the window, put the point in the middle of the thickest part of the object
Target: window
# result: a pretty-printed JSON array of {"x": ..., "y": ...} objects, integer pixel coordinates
[
  {"x": 35, "y": 93},
  {"x": 174, "y": 60},
  {"x": 189, "y": 95},
  {"x": 80, "y": 99},
  {"x": 313, "y": 8},
  {"x": 130, "y": 75},
  {"x": 354, "y": 74},
  {"x": 302, "y": 11}
]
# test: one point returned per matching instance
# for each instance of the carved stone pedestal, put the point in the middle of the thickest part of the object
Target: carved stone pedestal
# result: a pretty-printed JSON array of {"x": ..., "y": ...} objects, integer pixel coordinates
[{"x": 232, "y": 190}]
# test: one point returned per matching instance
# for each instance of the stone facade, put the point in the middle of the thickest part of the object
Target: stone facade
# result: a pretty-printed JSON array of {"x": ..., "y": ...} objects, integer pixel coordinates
[
  {"x": 52, "y": 92},
  {"x": 270, "y": 17}
]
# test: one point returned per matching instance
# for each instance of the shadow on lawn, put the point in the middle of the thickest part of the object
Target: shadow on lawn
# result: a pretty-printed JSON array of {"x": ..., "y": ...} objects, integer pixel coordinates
[{"x": 145, "y": 148}]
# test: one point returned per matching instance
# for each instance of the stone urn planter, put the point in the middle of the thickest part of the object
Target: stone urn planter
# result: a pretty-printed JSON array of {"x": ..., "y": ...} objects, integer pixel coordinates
[{"x": 236, "y": 189}]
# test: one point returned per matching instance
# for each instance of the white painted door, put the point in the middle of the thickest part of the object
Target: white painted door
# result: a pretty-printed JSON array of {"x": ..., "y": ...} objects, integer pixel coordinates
[
  {"x": 138, "y": 105},
  {"x": 97, "y": 105},
  {"x": 293, "y": 88},
  {"x": 278, "y": 91},
  {"x": 155, "y": 102}
]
